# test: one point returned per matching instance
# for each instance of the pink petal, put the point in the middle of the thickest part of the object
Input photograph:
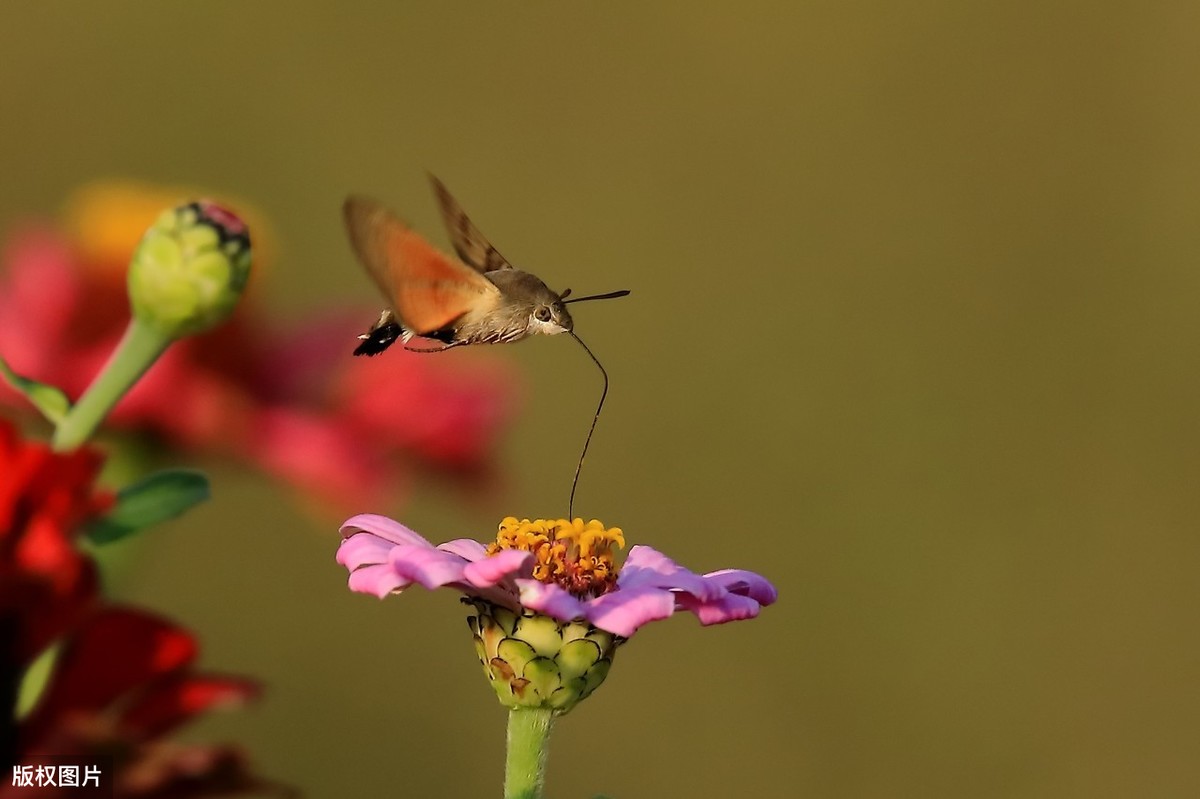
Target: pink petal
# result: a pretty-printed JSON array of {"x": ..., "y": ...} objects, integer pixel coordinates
[
  {"x": 428, "y": 566},
  {"x": 622, "y": 612},
  {"x": 646, "y": 566},
  {"x": 383, "y": 527},
  {"x": 549, "y": 599},
  {"x": 363, "y": 549},
  {"x": 731, "y": 607},
  {"x": 744, "y": 583},
  {"x": 499, "y": 567},
  {"x": 465, "y": 548},
  {"x": 644, "y": 557},
  {"x": 379, "y": 580}
]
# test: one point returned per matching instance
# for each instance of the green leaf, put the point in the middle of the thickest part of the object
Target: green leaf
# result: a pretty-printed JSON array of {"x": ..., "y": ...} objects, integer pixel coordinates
[
  {"x": 46, "y": 398},
  {"x": 157, "y": 498}
]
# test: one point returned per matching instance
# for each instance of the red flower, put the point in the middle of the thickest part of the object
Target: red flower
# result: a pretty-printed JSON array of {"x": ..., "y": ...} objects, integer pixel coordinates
[
  {"x": 122, "y": 682},
  {"x": 46, "y": 584}
]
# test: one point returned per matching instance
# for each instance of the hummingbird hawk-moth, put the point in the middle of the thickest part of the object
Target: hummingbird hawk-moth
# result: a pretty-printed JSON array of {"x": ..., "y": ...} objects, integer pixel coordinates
[{"x": 480, "y": 299}]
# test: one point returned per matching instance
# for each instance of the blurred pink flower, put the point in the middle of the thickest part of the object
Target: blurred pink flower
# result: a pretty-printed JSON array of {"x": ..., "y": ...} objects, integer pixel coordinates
[
  {"x": 289, "y": 399},
  {"x": 560, "y": 569}
]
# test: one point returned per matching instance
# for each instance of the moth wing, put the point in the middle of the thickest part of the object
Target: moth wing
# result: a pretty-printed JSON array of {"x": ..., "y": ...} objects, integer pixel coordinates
[
  {"x": 427, "y": 289},
  {"x": 468, "y": 242}
]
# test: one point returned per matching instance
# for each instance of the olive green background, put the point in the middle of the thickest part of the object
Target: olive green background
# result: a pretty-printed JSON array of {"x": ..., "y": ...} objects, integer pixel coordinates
[{"x": 913, "y": 333}]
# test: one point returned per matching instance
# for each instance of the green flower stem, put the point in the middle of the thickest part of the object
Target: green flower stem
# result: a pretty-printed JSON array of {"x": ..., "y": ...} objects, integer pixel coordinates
[
  {"x": 528, "y": 746},
  {"x": 138, "y": 350}
]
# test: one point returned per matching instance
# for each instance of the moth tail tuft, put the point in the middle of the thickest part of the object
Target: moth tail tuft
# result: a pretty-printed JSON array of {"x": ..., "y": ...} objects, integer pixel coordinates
[{"x": 382, "y": 335}]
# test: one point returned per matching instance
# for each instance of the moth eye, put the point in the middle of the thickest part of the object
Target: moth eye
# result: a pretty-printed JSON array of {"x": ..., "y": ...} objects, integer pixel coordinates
[{"x": 542, "y": 314}]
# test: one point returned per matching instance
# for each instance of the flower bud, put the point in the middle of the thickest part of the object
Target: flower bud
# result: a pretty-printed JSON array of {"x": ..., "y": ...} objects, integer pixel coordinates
[{"x": 190, "y": 269}]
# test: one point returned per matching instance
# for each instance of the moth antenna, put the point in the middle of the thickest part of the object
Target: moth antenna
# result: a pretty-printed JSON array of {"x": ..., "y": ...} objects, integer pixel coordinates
[
  {"x": 609, "y": 296},
  {"x": 592, "y": 429}
]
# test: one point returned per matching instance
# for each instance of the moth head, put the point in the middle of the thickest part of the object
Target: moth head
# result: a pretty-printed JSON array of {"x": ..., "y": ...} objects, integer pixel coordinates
[{"x": 550, "y": 317}]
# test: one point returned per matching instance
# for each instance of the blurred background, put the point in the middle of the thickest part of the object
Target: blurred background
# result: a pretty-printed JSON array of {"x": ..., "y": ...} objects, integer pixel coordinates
[{"x": 912, "y": 333}]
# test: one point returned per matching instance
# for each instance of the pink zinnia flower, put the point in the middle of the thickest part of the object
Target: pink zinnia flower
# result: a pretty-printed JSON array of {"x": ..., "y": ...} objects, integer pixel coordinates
[{"x": 551, "y": 604}]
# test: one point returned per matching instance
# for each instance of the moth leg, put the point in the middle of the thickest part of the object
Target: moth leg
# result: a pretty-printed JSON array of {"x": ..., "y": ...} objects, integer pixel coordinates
[{"x": 442, "y": 348}]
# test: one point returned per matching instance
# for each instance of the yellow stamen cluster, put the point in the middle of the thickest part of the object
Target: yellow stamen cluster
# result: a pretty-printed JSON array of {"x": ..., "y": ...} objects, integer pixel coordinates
[{"x": 575, "y": 555}]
